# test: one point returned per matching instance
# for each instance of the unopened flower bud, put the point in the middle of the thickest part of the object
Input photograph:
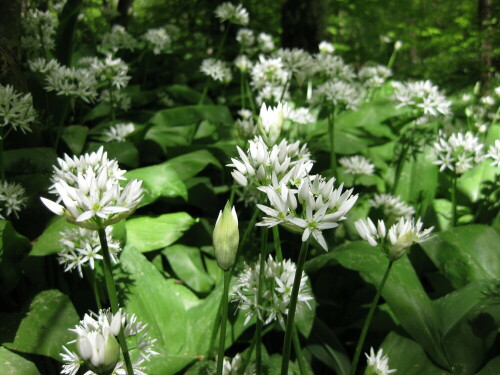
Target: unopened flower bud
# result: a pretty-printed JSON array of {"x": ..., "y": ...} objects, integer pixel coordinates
[
  {"x": 226, "y": 237},
  {"x": 398, "y": 45},
  {"x": 100, "y": 352}
]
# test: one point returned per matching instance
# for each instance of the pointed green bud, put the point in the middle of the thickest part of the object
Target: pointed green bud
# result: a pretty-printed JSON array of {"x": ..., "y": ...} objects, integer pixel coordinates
[{"x": 226, "y": 237}]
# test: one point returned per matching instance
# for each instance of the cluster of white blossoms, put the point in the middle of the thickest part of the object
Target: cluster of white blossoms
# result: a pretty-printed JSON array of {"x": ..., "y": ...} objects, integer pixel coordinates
[
  {"x": 326, "y": 47},
  {"x": 276, "y": 293},
  {"x": 16, "y": 110},
  {"x": 82, "y": 247},
  {"x": 459, "y": 152},
  {"x": 90, "y": 190},
  {"x": 395, "y": 242},
  {"x": 265, "y": 43},
  {"x": 232, "y": 13},
  {"x": 218, "y": 70},
  {"x": 247, "y": 128},
  {"x": 333, "y": 67},
  {"x": 118, "y": 39},
  {"x": 118, "y": 132},
  {"x": 12, "y": 199},
  {"x": 300, "y": 115},
  {"x": 39, "y": 29},
  {"x": 97, "y": 348},
  {"x": 357, "y": 165},
  {"x": 269, "y": 77},
  {"x": 243, "y": 63},
  {"x": 112, "y": 71},
  {"x": 117, "y": 99},
  {"x": 299, "y": 63},
  {"x": 392, "y": 206},
  {"x": 377, "y": 364},
  {"x": 423, "y": 98},
  {"x": 340, "y": 93},
  {"x": 246, "y": 38},
  {"x": 234, "y": 366},
  {"x": 374, "y": 76},
  {"x": 494, "y": 153},
  {"x": 157, "y": 40}
]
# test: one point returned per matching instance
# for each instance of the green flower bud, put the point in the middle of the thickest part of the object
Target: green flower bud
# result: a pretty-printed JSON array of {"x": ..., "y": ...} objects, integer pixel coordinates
[
  {"x": 100, "y": 352},
  {"x": 226, "y": 237}
]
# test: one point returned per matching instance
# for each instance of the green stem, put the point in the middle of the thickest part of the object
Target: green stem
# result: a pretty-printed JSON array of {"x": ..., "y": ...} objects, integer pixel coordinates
[
  {"x": 454, "y": 201},
  {"x": 287, "y": 345},
  {"x": 368, "y": 320},
  {"x": 204, "y": 93},
  {"x": 250, "y": 95},
  {"x": 392, "y": 58},
  {"x": 258, "y": 330},
  {"x": 215, "y": 328},
  {"x": 222, "y": 338},
  {"x": 2, "y": 167},
  {"x": 298, "y": 352},
  {"x": 495, "y": 118},
  {"x": 284, "y": 88},
  {"x": 331, "y": 133},
  {"x": 277, "y": 243},
  {"x": 113, "y": 297},
  {"x": 246, "y": 234},
  {"x": 95, "y": 288},
  {"x": 111, "y": 101},
  {"x": 246, "y": 362}
]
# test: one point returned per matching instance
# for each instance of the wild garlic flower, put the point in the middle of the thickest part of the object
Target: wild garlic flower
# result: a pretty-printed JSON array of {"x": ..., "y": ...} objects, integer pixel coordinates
[
  {"x": 243, "y": 63},
  {"x": 234, "y": 366},
  {"x": 494, "y": 153},
  {"x": 300, "y": 115},
  {"x": 39, "y": 29},
  {"x": 112, "y": 71},
  {"x": 423, "y": 98},
  {"x": 232, "y": 13},
  {"x": 377, "y": 364},
  {"x": 246, "y": 126},
  {"x": 272, "y": 93},
  {"x": 271, "y": 120},
  {"x": 118, "y": 132},
  {"x": 340, "y": 93},
  {"x": 93, "y": 198},
  {"x": 265, "y": 43},
  {"x": 326, "y": 47},
  {"x": 117, "y": 39},
  {"x": 218, "y": 70},
  {"x": 268, "y": 72},
  {"x": 245, "y": 37},
  {"x": 458, "y": 153},
  {"x": 96, "y": 347},
  {"x": 357, "y": 165},
  {"x": 333, "y": 67},
  {"x": 118, "y": 99},
  {"x": 297, "y": 62},
  {"x": 392, "y": 206},
  {"x": 277, "y": 290},
  {"x": 157, "y": 40},
  {"x": 398, "y": 240},
  {"x": 12, "y": 199},
  {"x": 16, "y": 110},
  {"x": 374, "y": 76},
  {"x": 82, "y": 247}
]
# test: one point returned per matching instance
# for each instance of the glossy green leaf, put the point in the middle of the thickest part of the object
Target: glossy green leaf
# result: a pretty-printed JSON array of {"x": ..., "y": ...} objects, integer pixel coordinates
[
  {"x": 491, "y": 368},
  {"x": 188, "y": 115},
  {"x": 44, "y": 328},
  {"x": 466, "y": 253},
  {"x": 151, "y": 233},
  {"x": 190, "y": 164},
  {"x": 187, "y": 264},
  {"x": 75, "y": 136},
  {"x": 471, "y": 182},
  {"x": 49, "y": 240},
  {"x": 13, "y": 364},
  {"x": 13, "y": 248},
  {"x": 30, "y": 160}
]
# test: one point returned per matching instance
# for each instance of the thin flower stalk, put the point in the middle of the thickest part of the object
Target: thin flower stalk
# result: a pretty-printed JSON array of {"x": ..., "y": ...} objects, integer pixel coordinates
[
  {"x": 222, "y": 337},
  {"x": 454, "y": 200},
  {"x": 331, "y": 133},
  {"x": 258, "y": 329}
]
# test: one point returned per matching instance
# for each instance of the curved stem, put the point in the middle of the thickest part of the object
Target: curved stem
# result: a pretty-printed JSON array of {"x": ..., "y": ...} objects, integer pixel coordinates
[
  {"x": 222, "y": 338},
  {"x": 111, "y": 101},
  {"x": 287, "y": 345},
  {"x": 454, "y": 201},
  {"x": 368, "y": 320},
  {"x": 95, "y": 288},
  {"x": 277, "y": 243},
  {"x": 113, "y": 297},
  {"x": 258, "y": 339}
]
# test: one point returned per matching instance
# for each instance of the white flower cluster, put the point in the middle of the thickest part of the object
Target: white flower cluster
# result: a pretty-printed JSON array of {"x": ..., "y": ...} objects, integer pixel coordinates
[
  {"x": 377, "y": 364},
  {"x": 90, "y": 191},
  {"x": 232, "y": 13},
  {"x": 118, "y": 99},
  {"x": 217, "y": 70},
  {"x": 333, "y": 67},
  {"x": 234, "y": 366},
  {"x": 243, "y": 63},
  {"x": 118, "y": 132},
  {"x": 494, "y": 153},
  {"x": 112, "y": 71},
  {"x": 118, "y": 39},
  {"x": 345, "y": 94},
  {"x": 268, "y": 77},
  {"x": 39, "y": 29},
  {"x": 246, "y": 38},
  {"x": 276, "y": 293},
  {"x": 265, "y": 43},
  {"x": 374, "y": 76},
  {"x": 157, "y": 40},
  {"x": 271, "y": 120},
  {"x": 16, "y": 110},
  {"x": 82, "y": 246},
  {"x": 247, "y": 128},
  {"x": 395, "y": 242},
  {"x": 424, "y": 98},
  {"x": 300, "y": 115},
  {"x": 392, "y": 206},
  {"x": 458, "y": 153},
  {"x": 357, "y": 165},
  {"x": 297, "y": 62},
  {"x": 12, "y": 199},
  {"x": 97, "y": 345},
  {"x": 326, "y": 47}
]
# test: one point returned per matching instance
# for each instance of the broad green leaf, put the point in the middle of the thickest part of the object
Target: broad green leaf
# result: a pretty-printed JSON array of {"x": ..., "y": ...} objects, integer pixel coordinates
[
  {"x": 189, "y": 165},
  {"x": 491, "y": 368},
  {"x": 158, "y": 181},
  {"x": 49, "y": 240},
  {"x": 406, "y": 356},
  {"x": 74, "y": 136},
  {"x": 13, "y": 364},
  {"x": 185, "y": 94},
  {"x": 125, "y": 152},
  {"x": 66, "y": 31},
  {"x": 13, "y": 248},
  {"x": 151, "y": 233},
  {"x": 188, "y": 266},
  {"x": 464, "y": 254},
  {"x": 304, "y": 318},
  {"x": 403, "y": 292},
  {"x": 189, "y": 115},
  {"x": 44, "y": 328},
  {"x": 30, "y": 160},
  {"x": 471, "y": 182},
  {"x": 374, "y": 112}
]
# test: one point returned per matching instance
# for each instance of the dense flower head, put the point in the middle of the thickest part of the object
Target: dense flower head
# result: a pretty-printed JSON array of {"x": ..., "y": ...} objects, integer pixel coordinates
[
  {"x": 243, "y": 63},
  {"x": 118, "y": 132},
  {"x": 494, "y": 153},
  {"x": 377, "y": 364},
  {"x": 459, "y": 152},
  {"x": 96, "y": 345},
  {"x": 218, "y": 70},
  {"x": 16, "y": 109},
  {"x": 392, "y": 206},
  {"x": 374, "y": 76},
  {"x": 117, "y": 39},
  {"x": 326, "y": 47},
  {"x": 422, "y": 97},
  {"x": 265, "y": 43},
  {"x": 333, "y": 67},
  {"x": 118, "y": 99},
  {"x": 157, "y": 40},
  {"x": 247, "y": 128},
  {"x": 277, "y": 289},
  {"x": 245, "y": 37},
  {"x": 300, "y": 115},
  {"x": 12, "y": 199},
  {"x": 271, "y": 120},
  {"x": 91, "y": 193},
  {"x": 340, "y": 93},
  {"x": 234, "y": 366},
  {"x": 357, "y": 165},
  {"x": 395, "y": 242},
  {"x": 82, "y": 247},
  {"x": 111, "y": 70},
  {"x": 232, "y": 13},
  {"x": 39, "y": 29},
  {"x": 268, "y": 71},
  {"x": 297, "y": 62}
]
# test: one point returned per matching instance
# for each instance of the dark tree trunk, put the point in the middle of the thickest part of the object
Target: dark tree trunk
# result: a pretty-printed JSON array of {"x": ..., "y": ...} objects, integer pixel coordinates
[
  {"x": 486, "y": 24},
  {"x": 10, "y": 34},
  {"x": 304, "y": 23},
  {"x": 123, "y": 10}
]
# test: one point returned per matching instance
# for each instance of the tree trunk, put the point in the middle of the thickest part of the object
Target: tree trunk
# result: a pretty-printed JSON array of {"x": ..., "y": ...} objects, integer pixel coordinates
[
  {"x": 123, "y": 10},
  {"x": 486, "y": 26},
  {"x": 10, "y": 34}
]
